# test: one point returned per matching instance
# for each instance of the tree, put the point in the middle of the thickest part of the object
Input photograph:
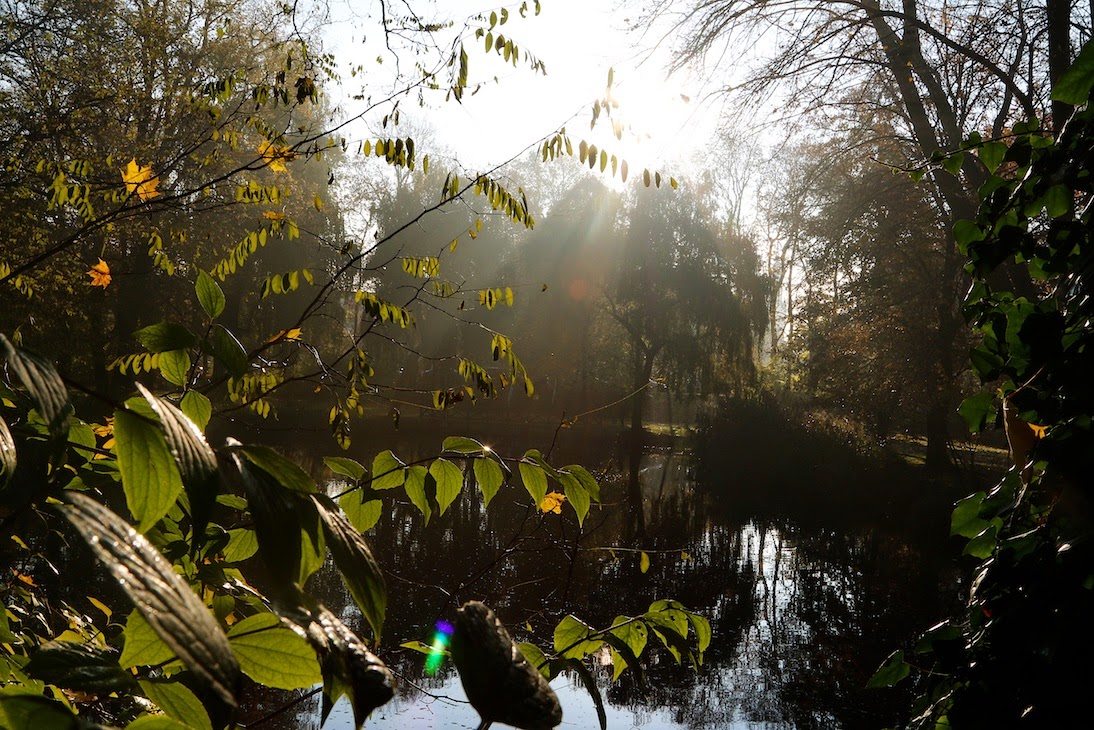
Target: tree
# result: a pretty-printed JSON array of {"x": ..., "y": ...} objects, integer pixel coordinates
[
  {"x": 171, "y": 132},
  {"x": 943, "y": 72}
]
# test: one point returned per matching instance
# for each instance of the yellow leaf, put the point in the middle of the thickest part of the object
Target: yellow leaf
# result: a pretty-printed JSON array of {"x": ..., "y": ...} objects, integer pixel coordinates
[
  {"x": 100, "y": 274},
  {"x": 141, "y": 181},
  {"x": 552, "y": 502},
  {"x": 273, "y": 215},
  {"x": 292, "y": 335},
  {"x": 275, "y": 155},
  {"x": 644, "y": 563}
]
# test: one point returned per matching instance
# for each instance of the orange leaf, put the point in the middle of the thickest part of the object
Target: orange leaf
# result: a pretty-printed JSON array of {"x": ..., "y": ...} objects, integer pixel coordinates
[{"x": 100, "y": 274}]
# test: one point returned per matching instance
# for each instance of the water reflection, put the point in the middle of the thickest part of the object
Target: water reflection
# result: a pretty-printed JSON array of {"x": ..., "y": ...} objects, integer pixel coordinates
[{"x": 803, "y": 611}]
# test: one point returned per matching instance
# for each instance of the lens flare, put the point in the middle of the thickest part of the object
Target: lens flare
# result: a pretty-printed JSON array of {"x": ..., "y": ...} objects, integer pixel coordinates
[{"x": 439, "y": 649}]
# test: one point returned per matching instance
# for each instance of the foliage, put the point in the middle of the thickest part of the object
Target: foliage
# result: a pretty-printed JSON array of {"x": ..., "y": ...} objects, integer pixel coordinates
[
  {"x": 180, "y": 156},
  {"x": 1017, "y": 658}
]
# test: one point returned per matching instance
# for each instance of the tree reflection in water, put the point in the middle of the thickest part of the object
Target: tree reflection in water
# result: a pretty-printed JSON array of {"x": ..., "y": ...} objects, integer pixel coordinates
[{"x": 804, "y": 607}]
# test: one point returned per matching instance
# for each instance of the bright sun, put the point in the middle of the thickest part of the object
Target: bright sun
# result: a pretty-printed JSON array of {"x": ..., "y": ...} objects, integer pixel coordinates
[{"x": 655, "y": 118}]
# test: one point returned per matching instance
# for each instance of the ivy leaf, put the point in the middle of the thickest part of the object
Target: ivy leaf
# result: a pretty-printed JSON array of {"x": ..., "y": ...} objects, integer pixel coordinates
[
  {"x": 159, "y": 593},
  {"x": 449, "y": 480},
  {"x": 210, "y": 295},
  {"x": 1073, "y": 86},
  {"x": 489, "y": 477},
  {"x": 273, "y": 655}
]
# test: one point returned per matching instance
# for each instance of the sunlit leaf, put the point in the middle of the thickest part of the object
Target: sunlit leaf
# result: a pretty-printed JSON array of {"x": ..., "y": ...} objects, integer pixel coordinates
[
  {"x": 150, "y": 477},
  {"x": 571, "y": 638},
  {"x": 178, "y": 702},
  {"x": 415, "y": 490},
  {"x": 387, "y": 471},
  {"x": 210, "y": 295},
  {"x": 286, "y": 471},
  {"x": 449, "y": 480},
  {"x": 273, "y": 655},
  {"x": 490, "y": 477},
  {"x": 359, "y": 569},
  {"x": 163, "y": 598},
  {"x": 535, "y": 480}
]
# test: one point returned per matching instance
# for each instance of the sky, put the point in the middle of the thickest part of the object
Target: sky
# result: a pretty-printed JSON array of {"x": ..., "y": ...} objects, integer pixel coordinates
[{"x": 578, "y": 41}]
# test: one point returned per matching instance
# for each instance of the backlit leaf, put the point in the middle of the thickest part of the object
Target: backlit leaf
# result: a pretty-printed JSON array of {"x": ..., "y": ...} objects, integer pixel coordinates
[
  {"x": 449, "y": 480},
  {"x": 273, "y": 655},
  {"x": 415, "y": 490},
  {"x": 150, "y": 477},
  {"x": 210, "y": 295},
  {"x": 535, "y": 480},
  {"x": 159, "y": 593},
  {"x": 178, "y": 702},
  {"x": 489, "y": 477},
  {"x": 387, "y": 471}
]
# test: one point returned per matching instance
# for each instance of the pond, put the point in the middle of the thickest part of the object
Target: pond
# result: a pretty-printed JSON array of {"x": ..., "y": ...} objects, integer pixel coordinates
[{"x": 804, "y": 604}]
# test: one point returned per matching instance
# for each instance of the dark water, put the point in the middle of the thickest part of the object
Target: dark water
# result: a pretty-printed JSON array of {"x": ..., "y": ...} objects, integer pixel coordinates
[{"x": 804, "y": 604}]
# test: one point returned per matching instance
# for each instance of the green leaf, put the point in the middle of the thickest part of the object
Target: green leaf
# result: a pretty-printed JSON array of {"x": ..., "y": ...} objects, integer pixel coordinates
[
  {"x": 577, "y": 496},
  {"x": 360, "y": 571},
  {"x": 415, "y": 490},
  {"x": 586, "y": 479},
  {"x": 197, "y": 408},
  {"x": 210, "y": 295},
  {"x": 703, "y": 632},
  {"x": 966, "y": 520},
  {"x": 7, "y": 454},
  {"x": 150, "y": 478},
  {"x": 952, "y": 162},
  {"x": 285, "y": 471},
  {"x": 158, "y": 722},
  {"x": 363, "y": 515},
  {"x": 669, "y": 614},
  {"x": 418, "y": 646},
  {"x": 143, "y": 646},
  {"x": 535, "y": 480},
  {"x": 983, "y": 545},
  {"x": 462, "y": 445},
  {"x": 1058, "y": 200},
  {"x": 644, "y": 562},
  {"x": 228, "y": 350},
  {"x": 992, "y": 154},
  {"x": 572, "y": 638},
  {"x": 535, "y": 656},
  {"x": 242, "y": 544},
  {"x": 346, "y": 467},
  {"x": 159, "y": 593},
  {"x": 178, "y": 702},
  {"x": 165, "y": 336},
  {"x": 489, "y": 477},
  {"x": 449, "y": 480},
  {"x": 45, "y": 386},
  {"x": 273, "y": 655},
  {"x": 81, "y": 667},
  {"x": 978, "y": 410},
  {"x": 18, "y": 711},
  {"x": 196, "y": 462},
  {"x": 892, "y": 671},
  {"x": 388, "y": 471},
  {"x": 175, "y": 366},
  {"x": 631, "y": 632},
  {"x": 1073, "y": 86}
]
